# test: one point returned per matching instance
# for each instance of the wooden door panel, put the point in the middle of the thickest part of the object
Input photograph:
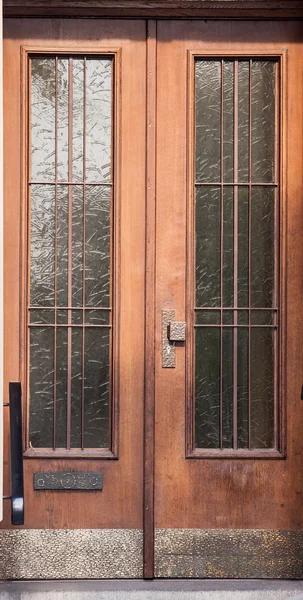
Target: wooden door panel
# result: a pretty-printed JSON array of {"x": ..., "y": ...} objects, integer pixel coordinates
[
  {"x": 194, "y": 494},
  {"x": 216, "y": 515},
  {"x": 119, "y": 505}
]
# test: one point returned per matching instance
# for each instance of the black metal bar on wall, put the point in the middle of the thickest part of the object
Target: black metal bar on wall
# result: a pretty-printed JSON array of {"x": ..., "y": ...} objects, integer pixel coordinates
[{"x": 16, "y": 454}]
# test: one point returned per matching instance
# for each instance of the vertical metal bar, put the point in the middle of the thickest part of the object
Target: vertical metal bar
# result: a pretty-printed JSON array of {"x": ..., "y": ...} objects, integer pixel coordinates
[
  {"x": 70, "y": 258},
  {"x": 56, "y": 251},
  {"x": 249, "y": 258},
  {"x": 16, "y": 452},
  {"x": 221, "y": 254},
  {"x": 84, "y": 242},
  {"x": 236, "y": 189}
]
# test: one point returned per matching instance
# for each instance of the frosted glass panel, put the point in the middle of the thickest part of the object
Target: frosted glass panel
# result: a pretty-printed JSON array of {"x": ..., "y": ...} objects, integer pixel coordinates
[
  {"x": 70, "y": 246},
  {"x": 236, "y": 254}
]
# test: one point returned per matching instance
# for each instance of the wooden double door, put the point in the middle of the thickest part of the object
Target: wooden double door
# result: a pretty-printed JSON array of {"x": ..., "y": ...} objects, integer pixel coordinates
[{"x": 153, "y": 279}]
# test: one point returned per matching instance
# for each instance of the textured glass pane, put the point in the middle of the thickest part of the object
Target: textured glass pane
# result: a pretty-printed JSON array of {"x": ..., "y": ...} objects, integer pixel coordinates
[
  {"x": 61, "y": 316},
  {"x": 208, "y": 317},
  {"x": 235, "y": 238},
  {"x": 228, "y": 317},
  {"x": 262, "y": 247},
  {"x": 262, "y": 317},
  {"x": 227, "y": 387},
  {"x": 42, "y": 245},
  {"x": 78, "y": 104},
  {"x": 228, "y": 247},
  {"x": 41, "y": 387},
  {"x": 96, "y": 388},
  {"x": 76, "y": 387},
  {"x": 97, "y": 317},
  {"x": 208, "y": 120},
  {"x": 262, "y": 388},
  {"x": 61, "y": 387},
  {"x": 243, "y": 246},
  {"x": 97, "y": 246},
  {"x": 243, "y": 317},
  {"x": 62, "y": 120},
  {"x": 62, "y": 245},
  {"x": 43, "y": 101},
  {"x": 207, "y": 246},
  {"x": 263, "y": 120},
  {"x": 243, "y": 121},
  {"x": 42, "y": 316},
  {"x": 77, "y": 317},
  {"x": 207, "y": 388},
  {"x": 77, "y": 252},
  {"x": 242, "y": 366},
  {"x": 228, "y": 121},
  {"x": 98, "y": 119},
  {"x": 71, "y": 116}
]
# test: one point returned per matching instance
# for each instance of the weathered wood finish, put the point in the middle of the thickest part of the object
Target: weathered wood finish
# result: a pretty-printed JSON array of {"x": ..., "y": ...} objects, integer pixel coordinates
[
  {"x": 120, "y": 503},
  {"x": 193, "y": 494},
  {"x": 184, "y": 9},
  {"x": 150, "y": 285},
  {"x": 209, "y": 493}
]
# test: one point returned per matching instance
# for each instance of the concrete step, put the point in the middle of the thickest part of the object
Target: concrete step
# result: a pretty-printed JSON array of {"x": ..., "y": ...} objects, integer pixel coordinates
[{"x": 152, "y": 590}]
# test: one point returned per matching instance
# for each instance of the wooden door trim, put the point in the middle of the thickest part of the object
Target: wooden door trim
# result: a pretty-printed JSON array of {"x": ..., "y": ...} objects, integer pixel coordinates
[
  {"x": 176, "y": 9},
  {"x": 150, "y": 302},
  {"x": 279, "y": 452},
  {"x": 115, "y": 53}
]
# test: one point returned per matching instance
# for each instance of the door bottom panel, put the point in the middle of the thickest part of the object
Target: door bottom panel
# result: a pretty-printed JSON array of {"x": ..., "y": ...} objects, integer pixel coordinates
[
  {"x": 71, "y": 553},
  {"x": 229, "y": 553}
]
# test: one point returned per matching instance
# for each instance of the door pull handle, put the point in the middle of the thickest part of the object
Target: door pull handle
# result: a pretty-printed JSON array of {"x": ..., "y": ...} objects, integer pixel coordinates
[{"x": 172, "y": 332}]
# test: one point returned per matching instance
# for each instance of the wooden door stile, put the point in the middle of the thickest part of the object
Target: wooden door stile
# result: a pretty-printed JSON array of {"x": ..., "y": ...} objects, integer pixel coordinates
[{"x": 149, "y": 409}]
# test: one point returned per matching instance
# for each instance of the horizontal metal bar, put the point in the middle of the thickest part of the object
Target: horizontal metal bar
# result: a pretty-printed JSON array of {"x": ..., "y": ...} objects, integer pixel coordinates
[
  {"x": 58, "y": 308},
  {"x": 237, "y": 325},
  {"x": 86, "y": 183},
  {"x": 68, "y": 325},
  {"x": 198, "y": 308},
  {"x": 235, "y": 184}
]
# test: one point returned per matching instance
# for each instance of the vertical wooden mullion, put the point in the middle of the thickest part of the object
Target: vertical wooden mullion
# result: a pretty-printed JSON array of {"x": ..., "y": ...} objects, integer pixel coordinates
[
  {"x": 221, "y": 255},
  {"x": 236, "y": 190},
  {"x": 249, "y": 258},
  {"x": 69, "y": 269},
  {"x": 84, "y": 242},
  {"x": 56, "y": 251},
  {"x": 26, "y": 147},
  {"x": 149, "y": 378},
  {"x": 276, "y": 295}
]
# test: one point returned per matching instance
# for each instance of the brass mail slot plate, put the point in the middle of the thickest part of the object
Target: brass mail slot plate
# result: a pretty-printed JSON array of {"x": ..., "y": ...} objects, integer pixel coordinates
[{"x": 68, "y": 480}]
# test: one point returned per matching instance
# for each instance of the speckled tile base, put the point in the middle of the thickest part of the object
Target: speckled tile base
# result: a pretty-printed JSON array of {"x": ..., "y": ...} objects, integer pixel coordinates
[
  {"x": 223, "y": 553},
  {"x": 71, "y": 554}
]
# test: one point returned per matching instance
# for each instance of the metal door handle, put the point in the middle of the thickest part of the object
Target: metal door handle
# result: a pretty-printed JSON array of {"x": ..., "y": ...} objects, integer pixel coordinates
[
  {"x": 176, "y": 331},
  {"x": 172, "y": 332}
]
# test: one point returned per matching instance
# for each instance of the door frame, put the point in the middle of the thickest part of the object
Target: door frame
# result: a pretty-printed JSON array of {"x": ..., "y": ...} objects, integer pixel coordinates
[
  {"x": 177, "y": 9},
  {"x": 154, "y": 9}
]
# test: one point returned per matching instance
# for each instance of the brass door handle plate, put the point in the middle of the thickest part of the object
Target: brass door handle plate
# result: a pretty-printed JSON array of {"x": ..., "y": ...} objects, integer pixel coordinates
[{"x": 172, "y": 332}]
